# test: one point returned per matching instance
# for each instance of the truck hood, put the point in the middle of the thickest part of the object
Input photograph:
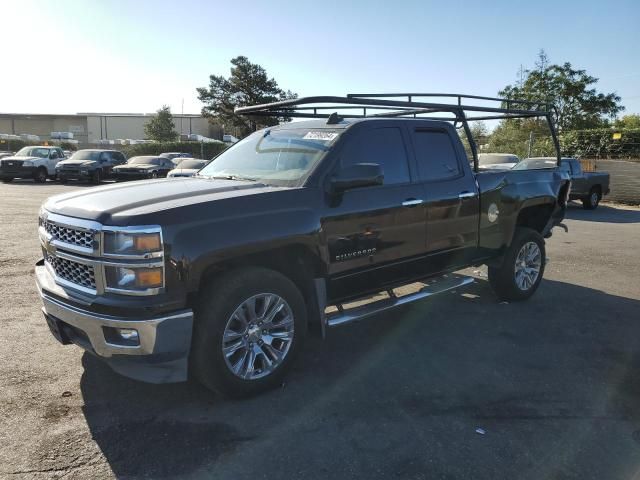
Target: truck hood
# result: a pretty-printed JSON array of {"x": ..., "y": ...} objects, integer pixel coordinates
[
  {"x": 85, "y": 163},
  {"x": 116, "y": 203}
]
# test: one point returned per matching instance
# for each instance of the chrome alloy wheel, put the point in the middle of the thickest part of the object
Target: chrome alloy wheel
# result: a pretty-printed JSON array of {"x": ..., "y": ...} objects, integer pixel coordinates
[
  {"x": 594, "y": 198},
  {"x": 258, "y": 336},
  {"x": 528, "y": 264}
]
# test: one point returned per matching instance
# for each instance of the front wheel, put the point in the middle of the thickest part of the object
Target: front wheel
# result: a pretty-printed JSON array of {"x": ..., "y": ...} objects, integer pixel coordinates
[
  {"x": 7, "y": 179},
  {"x": 249, "y": 326},
  {"x": 153, "y": 175},
  {"x": 522, "y": 268},
  {"x": 96, "y": 178},
  {"x": 591, "y": 201},
  {"x": 41, "y": 175}
]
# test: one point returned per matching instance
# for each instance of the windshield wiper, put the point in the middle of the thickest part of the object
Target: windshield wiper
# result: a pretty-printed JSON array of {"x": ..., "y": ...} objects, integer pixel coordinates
[{"x": 229, "y": 177}]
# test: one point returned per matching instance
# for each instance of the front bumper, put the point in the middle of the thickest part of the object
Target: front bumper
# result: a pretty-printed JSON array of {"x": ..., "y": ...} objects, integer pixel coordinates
[
  {"x": 73, "y": 174},
  {"x": 120, "y": 175},
  {"x": 160, "y": 356},
  {"x": 17, "y": 172}
]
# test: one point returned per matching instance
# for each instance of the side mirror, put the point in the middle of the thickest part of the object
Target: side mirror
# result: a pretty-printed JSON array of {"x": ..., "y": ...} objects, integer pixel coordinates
[{"x": 357, "y": 176}]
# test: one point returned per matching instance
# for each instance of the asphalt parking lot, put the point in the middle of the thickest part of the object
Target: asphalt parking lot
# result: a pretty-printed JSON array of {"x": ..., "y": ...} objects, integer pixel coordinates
[{"x": 553, "y": 382}]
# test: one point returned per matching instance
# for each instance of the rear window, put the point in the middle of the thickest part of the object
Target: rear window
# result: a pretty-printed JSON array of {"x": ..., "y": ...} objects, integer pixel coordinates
[{"x": 436, "y": 155}]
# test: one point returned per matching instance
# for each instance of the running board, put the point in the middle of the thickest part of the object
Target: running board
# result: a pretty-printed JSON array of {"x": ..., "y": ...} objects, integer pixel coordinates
[{"x": 436, "y": 286}]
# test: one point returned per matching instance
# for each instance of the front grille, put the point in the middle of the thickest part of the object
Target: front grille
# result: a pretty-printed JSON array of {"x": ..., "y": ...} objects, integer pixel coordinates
[
  {"x": 73, "y": 272},
  {"x": 69, "y": 235}
]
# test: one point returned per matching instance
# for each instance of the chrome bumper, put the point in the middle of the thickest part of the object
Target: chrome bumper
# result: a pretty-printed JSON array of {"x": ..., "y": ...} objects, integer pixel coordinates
[{"x": 92, "y": 325}]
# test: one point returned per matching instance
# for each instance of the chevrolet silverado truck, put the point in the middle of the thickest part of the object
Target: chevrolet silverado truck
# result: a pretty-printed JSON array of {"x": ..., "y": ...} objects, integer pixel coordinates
[
  {"x": 588, "y": 187},
  {"x": 218, "y": 276}
]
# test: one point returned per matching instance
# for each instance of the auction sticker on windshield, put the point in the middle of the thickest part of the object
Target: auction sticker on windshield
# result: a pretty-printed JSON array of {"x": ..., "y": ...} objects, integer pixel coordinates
[{"x": 323, "y": 136}]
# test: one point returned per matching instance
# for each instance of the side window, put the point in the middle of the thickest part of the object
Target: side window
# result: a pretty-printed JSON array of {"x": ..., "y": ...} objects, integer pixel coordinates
[
  {"x": 118, "y": 157},
  {"x": 53, "y": 154},
  {"x": 565, "y": 166},
  {"x": 383, "y": 146},
  {"x": 104, "y": 157},
  {"x": 435, "y": 154},
  {"x": 577, "y": 167}
]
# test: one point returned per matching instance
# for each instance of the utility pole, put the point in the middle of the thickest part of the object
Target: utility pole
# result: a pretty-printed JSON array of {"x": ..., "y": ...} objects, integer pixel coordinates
[{"x": 530, "y": 143}]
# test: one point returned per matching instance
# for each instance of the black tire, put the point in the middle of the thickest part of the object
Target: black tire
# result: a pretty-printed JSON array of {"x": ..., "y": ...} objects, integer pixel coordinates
[
  {"x": 7, "y": 180},
  {"x": 217, "y": 303},
  {"x": 591, "y": 201},
  {"x": 503, "y": 278},
  {"x": 41, "y": 175},
  {"x": 153, "y": 175},
  {"x": 63, "y": 180},
  {"x": 96, "y": 178}
]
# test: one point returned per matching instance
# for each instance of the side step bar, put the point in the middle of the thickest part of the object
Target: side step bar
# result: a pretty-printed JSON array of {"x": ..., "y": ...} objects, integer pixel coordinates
[{"x": 436, "y": 286}]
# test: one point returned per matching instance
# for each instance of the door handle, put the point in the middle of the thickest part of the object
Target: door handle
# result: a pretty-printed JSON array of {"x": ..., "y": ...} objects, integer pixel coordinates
[
  {"x": 466, "y": 194},
  {"x": 412, "y": 202}
]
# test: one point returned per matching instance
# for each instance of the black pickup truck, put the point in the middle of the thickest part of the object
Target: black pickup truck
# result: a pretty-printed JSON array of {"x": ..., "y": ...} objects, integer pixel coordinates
[{"x": 219, "y": 275}]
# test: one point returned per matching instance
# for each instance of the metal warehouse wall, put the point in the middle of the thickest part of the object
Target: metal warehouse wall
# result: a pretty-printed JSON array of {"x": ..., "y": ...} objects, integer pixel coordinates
[{"x": 89, "y": 128}]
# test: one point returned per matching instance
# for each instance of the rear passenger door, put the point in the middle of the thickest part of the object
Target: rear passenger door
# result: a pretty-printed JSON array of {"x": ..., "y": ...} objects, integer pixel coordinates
[
  {"x": 370, "y": 231},
  {"x": 451, "y": 195}
]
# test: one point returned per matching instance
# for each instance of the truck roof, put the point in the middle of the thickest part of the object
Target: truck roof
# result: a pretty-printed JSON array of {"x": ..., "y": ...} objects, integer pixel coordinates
[{"x": 347, "y": 122}]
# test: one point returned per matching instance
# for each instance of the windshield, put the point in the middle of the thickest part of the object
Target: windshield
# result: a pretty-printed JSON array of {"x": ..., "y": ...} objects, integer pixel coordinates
[
  {"x": 192, "y": 164},
  {"x": 496, "y": 158},
  {"x": 33, "y": 152},
  {"x": 280, "y": 157},
  {"x": 144, "y": 161},
  {"x": 86, "y": 155},
  {"x": 536, "y": 163}
]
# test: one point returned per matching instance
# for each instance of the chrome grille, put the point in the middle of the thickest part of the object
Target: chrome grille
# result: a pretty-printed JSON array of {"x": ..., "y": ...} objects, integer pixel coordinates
[
  {"x": 69, "y": 235},
  {"x": 73, "y": 272}
]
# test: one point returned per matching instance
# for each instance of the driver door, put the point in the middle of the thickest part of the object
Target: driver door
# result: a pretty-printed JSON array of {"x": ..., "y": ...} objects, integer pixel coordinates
[{"x": 371, "y": 232}]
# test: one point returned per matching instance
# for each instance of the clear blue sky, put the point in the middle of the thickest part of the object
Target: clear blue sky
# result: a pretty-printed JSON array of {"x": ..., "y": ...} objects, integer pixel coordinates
[{"x": 124, "y": 56}]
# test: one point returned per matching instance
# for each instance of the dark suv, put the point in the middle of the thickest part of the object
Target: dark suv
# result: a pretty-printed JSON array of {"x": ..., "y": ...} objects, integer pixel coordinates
[{"x": 89, "y": 165}]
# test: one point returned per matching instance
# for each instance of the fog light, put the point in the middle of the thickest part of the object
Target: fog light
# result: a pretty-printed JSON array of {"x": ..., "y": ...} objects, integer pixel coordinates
[
  {"x": 128, "y": 333},
  {"x": 125, "y": 337}
]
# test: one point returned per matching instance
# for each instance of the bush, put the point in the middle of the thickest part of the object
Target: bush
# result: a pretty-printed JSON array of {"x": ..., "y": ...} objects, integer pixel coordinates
[
  {"x": 599, "y": 143},
  {"x": 197, "y": 149}
]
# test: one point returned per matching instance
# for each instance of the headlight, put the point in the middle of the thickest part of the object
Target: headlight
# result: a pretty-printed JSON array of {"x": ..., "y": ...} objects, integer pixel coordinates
[
  {"x": 135, "y": 279},
  {"x": 27, "y": 163},
  {"x": 132, "y": 243}
]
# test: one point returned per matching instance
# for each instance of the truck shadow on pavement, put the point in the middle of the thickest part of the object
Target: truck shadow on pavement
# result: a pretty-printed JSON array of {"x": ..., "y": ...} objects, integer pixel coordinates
[
  {"x": 604, "y": 213},
  {"x": 383, "y": 384}
]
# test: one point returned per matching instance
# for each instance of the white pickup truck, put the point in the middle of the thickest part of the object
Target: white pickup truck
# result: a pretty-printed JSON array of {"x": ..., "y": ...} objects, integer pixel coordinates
[{"x": 38, "y": 163}]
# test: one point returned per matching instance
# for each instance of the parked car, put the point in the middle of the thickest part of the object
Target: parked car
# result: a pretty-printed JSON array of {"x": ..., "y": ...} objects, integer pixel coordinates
[
  {"x": 138, "y": 168},
  {"x": 219, "y": 276},
  {"x": 588, "y": 187},
  {"x": 187, "y": 168},
  {"x": 91, "y": 165},
  {"x": 38, "y": 163},
  {"x": 177, "y": 157},
  {"x": 500, "y": 161}
]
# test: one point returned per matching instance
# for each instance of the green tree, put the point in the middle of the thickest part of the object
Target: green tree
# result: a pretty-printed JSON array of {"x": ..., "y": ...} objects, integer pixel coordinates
[
  {"x": 248, "y": 84},
  {"x": 579, "y": 105},
  {"x": 515, "y": 135},
  {"x": 161, "y": 127},
  {"x": 628, "y": 121}
]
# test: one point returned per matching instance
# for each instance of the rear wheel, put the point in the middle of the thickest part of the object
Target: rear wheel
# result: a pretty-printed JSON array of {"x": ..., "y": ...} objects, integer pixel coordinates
[
  {"x": 41, "y": 175},
  {"x": 591, "y": 201},
  {"x": 249, "y": 326},
  {"x": 522, "y": 268}
]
